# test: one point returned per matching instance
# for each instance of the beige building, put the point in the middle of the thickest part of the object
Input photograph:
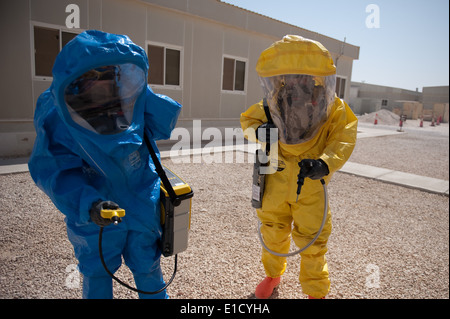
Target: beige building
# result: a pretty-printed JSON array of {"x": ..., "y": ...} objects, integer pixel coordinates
[
  {"x": 431, "y": 103},
  {"x": 367, "y": 98},
  {"x": 436, "y": 102},
  {"x": 202, "y": 53}
]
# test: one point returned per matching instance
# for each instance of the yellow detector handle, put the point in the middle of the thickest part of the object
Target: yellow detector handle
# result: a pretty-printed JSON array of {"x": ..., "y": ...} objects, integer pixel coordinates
[{"x": 113, "y": 214}]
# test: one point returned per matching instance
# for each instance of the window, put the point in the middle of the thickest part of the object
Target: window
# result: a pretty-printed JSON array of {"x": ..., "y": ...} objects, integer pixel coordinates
[
  {"x": 172, "y": 67},
  {"x": 384, "y": 102},
  {"x": 233, "y": 76},
  {"x": 47, "y": 44},
  {"x": 165, "y": 65},
  {"x": 340, "y": 87}
]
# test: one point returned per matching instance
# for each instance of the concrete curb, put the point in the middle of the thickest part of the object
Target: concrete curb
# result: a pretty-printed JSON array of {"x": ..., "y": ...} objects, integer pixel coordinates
[
  {"x": 429, "y": 184},
  {"x": 432, "y": 185}
]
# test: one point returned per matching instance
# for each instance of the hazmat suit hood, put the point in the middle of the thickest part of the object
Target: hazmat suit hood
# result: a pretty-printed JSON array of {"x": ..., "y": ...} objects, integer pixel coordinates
[
  {"x": 298, "y": 78},
  {"x": 89, "y": 52}
]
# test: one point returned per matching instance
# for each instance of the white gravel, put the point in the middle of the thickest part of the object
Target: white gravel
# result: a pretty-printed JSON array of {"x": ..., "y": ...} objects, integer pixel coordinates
[
  {"x": 420, "y": 151},
  {"x": 388, "y": 241}
]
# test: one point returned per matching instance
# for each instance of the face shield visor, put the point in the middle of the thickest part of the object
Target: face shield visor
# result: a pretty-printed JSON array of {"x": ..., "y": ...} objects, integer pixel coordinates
[
  {"x": 102, "y": 99},
  {"x": 299, "y": 104}
]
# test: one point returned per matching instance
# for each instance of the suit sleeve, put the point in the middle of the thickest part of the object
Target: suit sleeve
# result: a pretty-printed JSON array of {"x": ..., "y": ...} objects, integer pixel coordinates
[
  {"x": 57, "y": 170},
  {"x": 341, "y": 138},
  {"x": 252, "y": 119}
]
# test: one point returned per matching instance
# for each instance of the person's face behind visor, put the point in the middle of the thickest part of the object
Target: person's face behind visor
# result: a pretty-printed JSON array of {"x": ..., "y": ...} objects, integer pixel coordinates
[
  {"x": 102, "y": 99},
  {"x": 299, "y": 104}
]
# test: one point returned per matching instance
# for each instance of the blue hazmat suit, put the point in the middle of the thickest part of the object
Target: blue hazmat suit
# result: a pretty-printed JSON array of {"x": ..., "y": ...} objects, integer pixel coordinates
[{"x": 76, "y": 164}]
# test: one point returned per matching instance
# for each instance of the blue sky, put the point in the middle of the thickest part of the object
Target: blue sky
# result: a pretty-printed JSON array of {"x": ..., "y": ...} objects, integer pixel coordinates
[{"x": 409, "y": 50}]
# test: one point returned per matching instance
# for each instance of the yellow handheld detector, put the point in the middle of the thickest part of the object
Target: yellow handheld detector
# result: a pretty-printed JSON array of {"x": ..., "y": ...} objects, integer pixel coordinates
[
  {"x": 175, "y": 215},
  {"x": 175, "y": 198}
]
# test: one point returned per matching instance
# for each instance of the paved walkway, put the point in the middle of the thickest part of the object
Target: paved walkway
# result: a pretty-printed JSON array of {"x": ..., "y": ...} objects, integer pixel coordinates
[
  {"x": 13, "y": 166},
  {"x": 429, "y": 184}
]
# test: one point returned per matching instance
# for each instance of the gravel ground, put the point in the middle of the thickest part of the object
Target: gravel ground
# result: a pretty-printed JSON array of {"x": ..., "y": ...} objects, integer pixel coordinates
[
  {"x": 421, "y": 151},
  {"x": 388, "y": 241}
]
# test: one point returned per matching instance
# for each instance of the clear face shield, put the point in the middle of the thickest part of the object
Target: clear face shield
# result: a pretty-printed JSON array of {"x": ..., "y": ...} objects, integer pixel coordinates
[
  {"x": 102, "y": 99},
  {"x": 299, "y": 104}
]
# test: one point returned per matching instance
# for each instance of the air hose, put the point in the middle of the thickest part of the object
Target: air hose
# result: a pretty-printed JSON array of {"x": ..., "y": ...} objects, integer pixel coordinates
[
  {"x": 100, "y": 237},
  {"x": 325, "y": 212}
]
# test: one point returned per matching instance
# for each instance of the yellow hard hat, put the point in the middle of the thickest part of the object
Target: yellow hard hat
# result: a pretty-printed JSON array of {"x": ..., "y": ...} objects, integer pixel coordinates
[{"x": 295, "y": 55}]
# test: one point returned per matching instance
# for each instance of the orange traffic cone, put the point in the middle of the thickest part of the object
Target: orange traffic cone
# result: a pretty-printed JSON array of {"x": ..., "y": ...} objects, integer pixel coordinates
[
  {"x": 401, "y": 126},
  {"x": 376, "y": 119}
]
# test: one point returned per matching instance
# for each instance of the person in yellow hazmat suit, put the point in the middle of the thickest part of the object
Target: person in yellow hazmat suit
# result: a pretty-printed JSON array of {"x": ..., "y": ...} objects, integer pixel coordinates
[{"x": 317, "y": 132}]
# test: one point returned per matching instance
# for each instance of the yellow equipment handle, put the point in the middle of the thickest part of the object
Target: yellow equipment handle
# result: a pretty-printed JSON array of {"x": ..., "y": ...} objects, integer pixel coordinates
[{"x": 113, "y": 214}]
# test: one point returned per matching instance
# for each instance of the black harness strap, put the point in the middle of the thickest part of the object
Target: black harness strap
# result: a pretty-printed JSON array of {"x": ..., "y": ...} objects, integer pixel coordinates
[{"x": 161, "y": 172}]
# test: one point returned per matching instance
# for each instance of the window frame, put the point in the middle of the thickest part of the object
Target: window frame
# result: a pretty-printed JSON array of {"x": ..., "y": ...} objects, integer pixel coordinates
[
  {"x": 235, "y": 58},
  {"x": 170, "y": 47},
  {"x": 340, "y": 78},
  {"x": 54, "y": 27}
]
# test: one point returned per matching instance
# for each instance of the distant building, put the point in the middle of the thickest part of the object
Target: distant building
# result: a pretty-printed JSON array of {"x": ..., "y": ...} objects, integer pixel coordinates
[
  {"x": 202, "y": 53},
  {"x": 367, "y": 98},
  {"x": 431, "y": 102},
  {"x": 436, "y": 102},
  {"x": 434, "y": 94}
]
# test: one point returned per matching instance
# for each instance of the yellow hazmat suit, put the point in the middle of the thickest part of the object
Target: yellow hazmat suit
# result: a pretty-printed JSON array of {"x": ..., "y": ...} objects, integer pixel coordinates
[{"x": 333, "y": 142}]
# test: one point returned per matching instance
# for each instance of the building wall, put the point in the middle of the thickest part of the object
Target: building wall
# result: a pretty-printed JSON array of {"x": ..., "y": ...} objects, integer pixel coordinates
[
  {"x": 435, "y": 94},
  {"x": 203, "y": 30},
  {"x": 431, "y": 103},
  {"x": 367, "y": 98}
]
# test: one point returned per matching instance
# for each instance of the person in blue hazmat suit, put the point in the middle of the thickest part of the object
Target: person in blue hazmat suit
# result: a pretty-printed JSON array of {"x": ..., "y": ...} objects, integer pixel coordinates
[{"x": 90, "y": 154}]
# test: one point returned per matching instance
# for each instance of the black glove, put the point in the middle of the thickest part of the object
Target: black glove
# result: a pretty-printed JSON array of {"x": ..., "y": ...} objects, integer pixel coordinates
[
  {"x": 314, "y": 169},
  {"x": 266, "y": 137},
  {"x": 95, "y": 210}
]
